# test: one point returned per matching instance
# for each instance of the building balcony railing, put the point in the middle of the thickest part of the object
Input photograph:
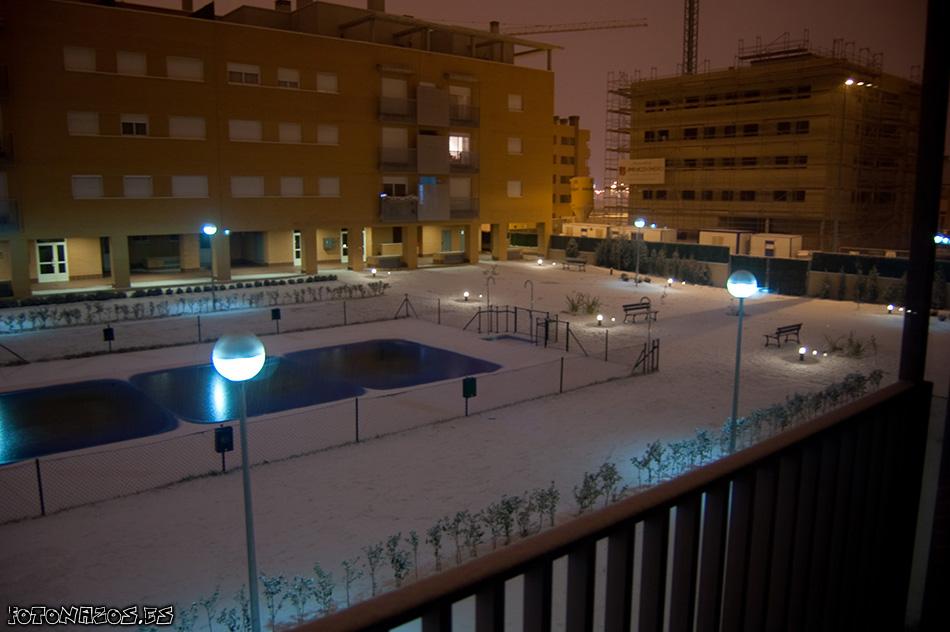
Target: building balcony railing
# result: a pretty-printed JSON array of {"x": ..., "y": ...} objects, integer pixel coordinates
[
  {"x": 463, "y": 115},
  {"x": 6, "y": 148},
  {"x": 400, "y": 110},
  {"x": 463, "y": 161},
  {"x": 463, "y": 208},
  {"x": 398, "y": 208},
  {"x": 9, "y": 216},
  {"x": 397, "y": 159},
  {"x": 799, "y": 531}
]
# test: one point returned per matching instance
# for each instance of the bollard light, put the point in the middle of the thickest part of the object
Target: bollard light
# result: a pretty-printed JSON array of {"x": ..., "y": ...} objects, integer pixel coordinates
[
  {"x": 900, "y": 309},
  {"x": 815, "y": 352},
  {"x": 600, "y": 319},
  {"x": 373, "y": 271},
  {"x": 613, "y": 319},
  {"x": 801, "y": 353},
  {"x": 465, "y": 295},
  {"x": 669, "y": 282},
  {"x": 540, "y": 261},
  {"x": 890, "y": 309},
  {"x": 554, "y": 263},
  {"x": 825, "y": 354}
]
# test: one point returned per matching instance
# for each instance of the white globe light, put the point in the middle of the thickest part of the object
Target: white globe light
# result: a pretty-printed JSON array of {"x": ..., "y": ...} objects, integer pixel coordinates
[
  {"x": 238, "y": 357},
  {"x": 742, "y": 284},
  {"x": 209, "y": 229},
  {"x": 540, "y": 262},
  {"x": 640, "y": 223},
  {"x": 600, "y": 316},
  {"x": 849, "y": 81}
]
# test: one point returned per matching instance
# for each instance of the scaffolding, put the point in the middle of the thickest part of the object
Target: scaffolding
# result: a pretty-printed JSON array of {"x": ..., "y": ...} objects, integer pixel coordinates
[{"x": 614, "y": 207}]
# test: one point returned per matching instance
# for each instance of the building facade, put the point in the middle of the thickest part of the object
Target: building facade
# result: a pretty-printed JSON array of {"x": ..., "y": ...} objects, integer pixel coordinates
[
  {"x": 324, "y": 135},
  {"x": 571, "y": 160},
  {"x": 789, "y": 141}
]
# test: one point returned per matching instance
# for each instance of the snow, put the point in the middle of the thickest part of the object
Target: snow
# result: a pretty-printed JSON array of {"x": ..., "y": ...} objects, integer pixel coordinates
[{"x": 177, "y": 543}]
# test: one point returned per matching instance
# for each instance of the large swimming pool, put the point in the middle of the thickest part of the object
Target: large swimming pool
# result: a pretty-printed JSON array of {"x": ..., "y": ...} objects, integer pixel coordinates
[{"x": 53, "y": 419}]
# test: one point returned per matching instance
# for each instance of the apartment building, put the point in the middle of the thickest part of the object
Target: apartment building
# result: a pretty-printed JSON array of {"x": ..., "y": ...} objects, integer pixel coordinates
[
  {"x": 791, "y": 140},
  {"x": 309, "y": 136},
  {"x": 571, "y": 160}
]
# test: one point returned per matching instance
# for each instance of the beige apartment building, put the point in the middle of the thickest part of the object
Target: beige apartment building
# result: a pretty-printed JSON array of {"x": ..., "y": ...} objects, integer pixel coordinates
[
  {"x": 309, "y": 136},
  {"x": 571, "y": 160},
  {"x": 788, "y": 141}
]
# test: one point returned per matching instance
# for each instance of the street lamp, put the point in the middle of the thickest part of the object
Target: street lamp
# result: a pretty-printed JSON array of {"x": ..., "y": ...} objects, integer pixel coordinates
[
  {"x": 741, "y": 284},
  {"x": 465, "y": 295},
  {"x": 211, "y": 230},
  {"x": 238, "y": 358},
  {"x": 639, "y": 223},
  {"x": 600, "y": 320}
]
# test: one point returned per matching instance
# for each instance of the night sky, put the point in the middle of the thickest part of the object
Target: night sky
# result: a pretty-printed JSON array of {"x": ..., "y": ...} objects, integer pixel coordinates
[{"x": 894, "y": 27}]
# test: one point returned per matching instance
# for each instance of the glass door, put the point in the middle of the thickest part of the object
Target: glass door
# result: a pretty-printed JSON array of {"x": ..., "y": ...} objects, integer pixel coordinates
[
  {"x": 344, "y": 251},
  {"x": 51, "y": 260},
  {"x": 297, "y": 257}
]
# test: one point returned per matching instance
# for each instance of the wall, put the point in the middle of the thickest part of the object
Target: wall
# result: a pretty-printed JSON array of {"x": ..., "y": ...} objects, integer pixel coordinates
[
  {"x": 279, "y": 247},
  {"x": 4, "y": 261},
  {"x": 322, "y": 253}
]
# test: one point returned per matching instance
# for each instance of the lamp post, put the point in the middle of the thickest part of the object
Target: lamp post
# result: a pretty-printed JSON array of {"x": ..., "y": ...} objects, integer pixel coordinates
[
  {"x": 489, "y": 281},
  {"x": 530, "y": 283},
  {"x": 211, "y": 230},
  {"x": 239, "y": 358},
  {"x": 639, "y": 223},
  {"x": 741, "y": 284}
]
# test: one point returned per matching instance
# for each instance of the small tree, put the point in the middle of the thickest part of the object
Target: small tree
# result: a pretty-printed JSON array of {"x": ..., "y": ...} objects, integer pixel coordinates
[
  {"x": 872, "y": 289},
  {"x": 351, "y": 573},
  {"x": 473, "y": 532},
  {"x": 454, "y": 529},
  {"x": 842, "y": 284},
  {"x": 413, "y": 542},
  {"x": 525, "y": 512},
  {"x": 299, "y": 593},
  {"x": 434, "y": 538},
  {"x": 209, "y": 604},
  {"x": 587, "y": 493},
  {"x": 609, "y": 478},
  {"x": 374, "y": 556},
  {"x": 398, "y": 558},
  {"x": 323, "y": 589},
  {"x": 570, "y": 249},
  {"x": 274, "y": 595}
]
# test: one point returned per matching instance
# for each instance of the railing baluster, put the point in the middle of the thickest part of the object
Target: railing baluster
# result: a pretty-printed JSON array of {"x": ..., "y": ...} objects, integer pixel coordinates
[
  {"x": 618, "y": 596},
  {"x": 438, "y": 619},
  {"x": 763, "y": 515},
  {"x": 653, "y": 571},
  {"x": 537, "y": 597},
  {"x": 821, "y": 538},
  {"x": 786, "y": 505},
  {"x": 839, "y": 528},
  {"x": 857, "y": 505},
  {"x": 867, "y": 564},
  {"x": 711, "y": 563},
  {"x": 802, "y": 539},
  {"x": 580, "y": 588},
  {"x": 490, "y": 608},
  {"x": 685, "y": 552},
  {"x": 737, "y": 550}
]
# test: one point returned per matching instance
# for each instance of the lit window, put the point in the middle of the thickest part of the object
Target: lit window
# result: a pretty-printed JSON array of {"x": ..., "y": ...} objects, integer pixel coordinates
[
  {"x": 87, "y": 187},
  {"x": 137, "y": 186},
  {"x": 514, "y": 189},
  {"x": 129, "y": 63},
  {"x": 134, "y": 125},
  {"x": 185, "y": 68},
  {"x": 327, "y": 82},
  {"x": 244, "y": 73},
  {"x": 288, "y": 78},
  {"x": 329, "y": 186},
  {"x": 79, "y": 58},
  {"x": 514, "y": 145},
  {"x": 515, "y": 103},
  {"x": 82, "y": 123},
  {"x": 459, "y": 145}
]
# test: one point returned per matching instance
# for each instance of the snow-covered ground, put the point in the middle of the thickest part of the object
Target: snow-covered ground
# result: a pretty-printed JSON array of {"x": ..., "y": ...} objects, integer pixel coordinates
[{"x": 176, "y": 544}]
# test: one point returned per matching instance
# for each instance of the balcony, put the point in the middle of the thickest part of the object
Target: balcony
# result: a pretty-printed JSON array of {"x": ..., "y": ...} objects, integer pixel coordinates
[
  {"x": 463, "y": 208},
  {"x": 397, "y": 159},
  {"x": 398, "y": 208},
  {"x": 9, "y": 216},
  {"x": 463, "y": 115},
  {"x": 397, "y": 110},
  {"x": 463, "y": 162}
]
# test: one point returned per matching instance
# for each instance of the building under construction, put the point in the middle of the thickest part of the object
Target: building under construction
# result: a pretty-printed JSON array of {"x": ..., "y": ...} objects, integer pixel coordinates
[{"x": 790, "y": 139}]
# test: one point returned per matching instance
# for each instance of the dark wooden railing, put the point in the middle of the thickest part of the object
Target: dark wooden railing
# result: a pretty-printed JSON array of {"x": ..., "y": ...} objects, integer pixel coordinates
[{"x": 810, "y": 530}]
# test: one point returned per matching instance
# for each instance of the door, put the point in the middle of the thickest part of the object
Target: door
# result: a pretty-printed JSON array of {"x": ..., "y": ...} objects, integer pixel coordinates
[
  {"x": 297, "y": 257},
  {"x": 51, "y": 260},
  {"x": 446, "y": 240},
  {"x": 344, "y": 250}
]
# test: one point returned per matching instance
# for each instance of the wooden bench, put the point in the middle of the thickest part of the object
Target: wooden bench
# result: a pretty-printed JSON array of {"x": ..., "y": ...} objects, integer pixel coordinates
[
  {"x": 449, "y": 256},
  {"x": 577, "y": 262},
  {"x": 782, "y": 334},
  {"x": 384, "y": 261},
  {"x": 161, "y": 263},
  {"x": 640, "y": 308}
]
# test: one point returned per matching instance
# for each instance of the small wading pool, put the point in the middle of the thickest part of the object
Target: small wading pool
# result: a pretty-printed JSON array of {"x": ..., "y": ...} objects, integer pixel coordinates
[{"x": 52, "y": 419}]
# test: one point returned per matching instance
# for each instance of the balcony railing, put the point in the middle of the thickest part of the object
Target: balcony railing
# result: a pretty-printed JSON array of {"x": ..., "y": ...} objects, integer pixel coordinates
[
  {"x": 812, "y": 529},
  {"x": 398, "y": 208},
  {"x": 463, "y": 161},
  {"x": 463, "y": 115},
  {"x": 401, "y": 110},
  {"x": 463, "y": 208},
  {"x": 9, "y": 216},
  {"x": 397, "y": 159}
]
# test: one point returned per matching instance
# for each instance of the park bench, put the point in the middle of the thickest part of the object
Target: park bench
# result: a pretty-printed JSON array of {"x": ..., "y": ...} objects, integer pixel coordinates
[
  {"x": 640, "y": 308},
  {"x": 577, "y": 262},
  {"x": 449, "y": 257},
  {"x": 782, "y": 334}
]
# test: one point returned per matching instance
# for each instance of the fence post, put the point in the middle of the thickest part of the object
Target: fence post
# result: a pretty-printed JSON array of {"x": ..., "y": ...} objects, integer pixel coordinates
[
  {"x": 39, "y": 483},
  {"x": 199, "y": 328},
  {"x": 356, "y": 403},
  {"x": 567, "y": 336},
  {"x": 438, "y": 311},
  {"x": 516, "y": 319},
  {"x": 344, "y": 313},
  {"x": 606, "y": 344},
  {"x": 560, "y": 388}
]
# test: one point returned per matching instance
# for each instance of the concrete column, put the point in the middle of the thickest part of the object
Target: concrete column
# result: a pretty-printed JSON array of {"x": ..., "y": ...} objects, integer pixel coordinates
[
  {"x": 354, "y": 248},
  {"x": 20, "y": 267},
  {"x": 499, "y": 242},
  {"x": 221, "y": 256},
  {"x": 119, "y": 261},
  {"x": 473, "y": 242},
  {"x": 544, "y": 234},
  {"x": 189, "y": 252},
  {"x": 308, "y": 250},
  {"x": 410, "y": 246}
]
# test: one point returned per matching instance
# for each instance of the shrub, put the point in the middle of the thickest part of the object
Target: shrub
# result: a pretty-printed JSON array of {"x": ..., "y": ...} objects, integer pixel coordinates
[{"x": 570, "y": 249}]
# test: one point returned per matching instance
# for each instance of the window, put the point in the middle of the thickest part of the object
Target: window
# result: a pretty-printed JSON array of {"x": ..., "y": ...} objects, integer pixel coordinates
[
  {"x": 460, "y": 188},
  {"x": 709, "y": 163},
  {"x": 784, "y": 94},
  {"x": 689, "y": 163},
  {"x": 727, "y": 196},
  {"x": 648, "y": 194},
  {"x": 82, "y": 123},
  {"x": 399, "y": 186},
  {"x": 244, "y": 130},
  {"x": 327, "y": 82},
  {"x": 244, "y": 73},
  {"x": 729, "y": 162},
  {"x": 709, "y": 132},
  {"x": 87, "y": 187},
  {"x": 803, "y": 92},
  {"x": 799, "y": 196},
  {"x": 662, "y": 134},
  {"x": 515, "y": 103},
  {"x": 801, "y": 160},
  {"x": 692, "y": 103},
  {"x": 291, "y": 186},
  {"x": 288, "y": 78},
  {"x": 134, "y": 125},
  {"x": 729, "y": 131},
  {"x": 707, "y": 196},
  {"x": 801, "y": 127},
  {"x": 186, "y": 127},
  {"x": 129, "y": 63},
  {"x": 565, "y": 199},
  {"x": 79, "y": 58},
  {"x": 750, "y": 129},
  {"x": 459, "y": 145},
  {"x": 190, "y": 186},
  {"x": 691, "y": 133},
  {"x": 514, "y": 189},
  {"x": 711, "y": 100},
  {"x": 567, "y": 140},
  {"x": 329, "y": 186},
  {"x": 328, "y": 134},
  {"x": 749, "y": 161},
  {"x": 747, "y": 196},
  {"x": 784, "y": 127},
  {"x": 247, "y": 186},
  {"x": 752, "y": 96},
  {"x": 565, "y": 179},
  {"x": 289, "y": 133},
  {"x": 137, "y": 186},
  {"x": 186, "y": 68},
  {"x": 649, "y": 136},
  {"x": 514, "y": 145},
  {"x": 567, "y": 160},
  {"x": 661, "y": 194},
  {"x": 779, "y": 196},
  {"x": 781, "y": 161},
  {"x": 688, "y": 195}
]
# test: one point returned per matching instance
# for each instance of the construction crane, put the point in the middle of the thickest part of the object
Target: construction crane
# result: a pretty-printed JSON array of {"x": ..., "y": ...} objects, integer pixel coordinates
[
  {"x": 571, "y": 27},
  {"x": 690, "y": 36}
]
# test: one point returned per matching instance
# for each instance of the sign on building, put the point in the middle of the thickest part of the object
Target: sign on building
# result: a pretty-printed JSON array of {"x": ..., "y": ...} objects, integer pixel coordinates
[{"x": 642, "y": 170}]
